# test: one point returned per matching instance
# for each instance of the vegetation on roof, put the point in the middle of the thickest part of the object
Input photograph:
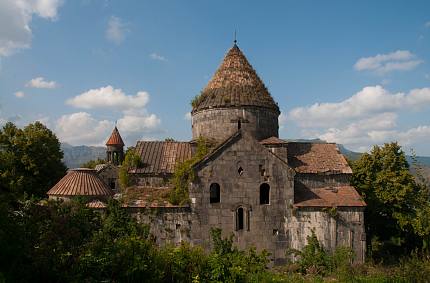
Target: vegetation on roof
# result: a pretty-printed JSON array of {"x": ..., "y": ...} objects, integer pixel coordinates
[
  {"x": 184, "y": 174},
  {"x": 131, "y": 160}
]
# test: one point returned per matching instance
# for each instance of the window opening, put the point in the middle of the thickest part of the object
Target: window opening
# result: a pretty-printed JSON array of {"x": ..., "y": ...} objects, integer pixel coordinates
[
  {"x": 240, "y": 170},
  {"x": 239, "y": 219},
  {"x": 239, "y": 124},
  {"x": 264, "y": 193},
  {"x": 214, "y": 192}
]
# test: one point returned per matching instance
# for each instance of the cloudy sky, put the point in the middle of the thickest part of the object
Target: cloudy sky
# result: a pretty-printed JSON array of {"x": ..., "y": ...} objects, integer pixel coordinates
[{"x": 351, "y": 72}]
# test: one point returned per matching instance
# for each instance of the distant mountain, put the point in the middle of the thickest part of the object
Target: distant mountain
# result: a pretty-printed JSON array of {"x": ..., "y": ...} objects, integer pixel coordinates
[{"x": 75, "y": 156}]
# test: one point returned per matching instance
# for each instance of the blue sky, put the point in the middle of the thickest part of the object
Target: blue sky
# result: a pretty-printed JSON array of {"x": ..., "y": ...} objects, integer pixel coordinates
[{"x": 352, "y": 72}]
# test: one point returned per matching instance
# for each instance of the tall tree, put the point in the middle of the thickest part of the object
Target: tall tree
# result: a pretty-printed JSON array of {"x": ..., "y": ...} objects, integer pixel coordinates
[
  {"x": 392, "y": 195},
  {"x": 30, "y": 159}
]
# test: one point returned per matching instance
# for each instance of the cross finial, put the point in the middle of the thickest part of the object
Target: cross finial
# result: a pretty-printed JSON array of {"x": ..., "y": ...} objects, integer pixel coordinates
[
  {"x": 115, "y": 123},
  {"x": 235, "y": 40}
]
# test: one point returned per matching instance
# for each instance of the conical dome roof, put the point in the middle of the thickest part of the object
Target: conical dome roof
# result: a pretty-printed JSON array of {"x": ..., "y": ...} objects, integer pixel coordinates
[
  {"x": 80, "y": 182},
  {"x": 115, "y": 138},
  {"x": 235, "y": 83}
]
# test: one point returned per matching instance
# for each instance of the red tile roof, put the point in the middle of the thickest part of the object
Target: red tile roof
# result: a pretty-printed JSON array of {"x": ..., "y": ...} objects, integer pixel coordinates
[
  {"x": 317, "y": 158},
  {"x": 96, "y": 204},
  {"x": 80, "y": 182},
  {"x": 115, "y": 138},
  {"x": 161, "y": 157},
  {"x": 340, "y": 196},
  {"x": 235, "y": 83},
  {"x": 273, "y": 141}
]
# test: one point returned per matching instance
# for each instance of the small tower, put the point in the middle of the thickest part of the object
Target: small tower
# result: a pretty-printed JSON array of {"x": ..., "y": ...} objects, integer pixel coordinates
[{"x": 115, "y": 148}]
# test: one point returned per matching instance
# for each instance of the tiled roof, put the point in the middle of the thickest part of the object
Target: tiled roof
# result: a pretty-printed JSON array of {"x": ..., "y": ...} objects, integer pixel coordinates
[
  {"x": 100, "y": 167},
  {"x": 80, "y": 182},
  {"x": 316, "y": 158},
  {"x": 96, "y": 204},
  {"x": 235, "y": 83},
  {"x": 161, "y": 157},
  {"x": 273, "y": 141},
  {"x": 327, "y": 197},
  {"x": 115, "y": 138}
]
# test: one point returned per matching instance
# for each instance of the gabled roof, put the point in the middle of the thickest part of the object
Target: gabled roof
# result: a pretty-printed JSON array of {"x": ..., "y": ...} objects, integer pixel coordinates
[
  {"x": 115, "y": 138},
  {"x": 273, "y": 141},
  {"x": 338, "y": 196},
  {"x": 161, "y": 157},
  {"x": 80, "y": 182},
  {"x": 235, "y": 83},
  {"x": 317, "y": 158}
]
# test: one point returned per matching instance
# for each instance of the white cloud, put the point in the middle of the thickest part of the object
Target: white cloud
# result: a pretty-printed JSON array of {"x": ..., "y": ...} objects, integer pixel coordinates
[
  {"x": 282, "y": 120},
  {"x": 19, "y": 94},
  {"x": 139, "y": 124},
  {"x": 187, "y": 116},
  {"x": 158, "y": 57},
  {"x": 116, "y": 30},
  {"x": 368, "y": 117},
  {"x": 427, "y": 24},
  {"x": 400, "y": 60},
  {"x": 15, "y": 20},
  {"x": 81, "y": 128},
  {"x": 134, "y": 124},
  {"x": 40, "y": 82},
  {"x": 109, "y": 97},
  {"x": 370, "y": 100}
]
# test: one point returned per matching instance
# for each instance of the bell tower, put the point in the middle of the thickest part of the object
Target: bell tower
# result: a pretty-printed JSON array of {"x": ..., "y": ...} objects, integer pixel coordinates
[{"x": 115, "y": 148}]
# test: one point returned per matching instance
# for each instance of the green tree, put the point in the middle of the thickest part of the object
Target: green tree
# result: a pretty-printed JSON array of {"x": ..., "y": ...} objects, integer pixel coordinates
[
  {"x": 392, "y": 195},
  {"x": 92, "y": 163},
  {"x": 131, "y": 160},
  {"x": 30, "y": 159}
]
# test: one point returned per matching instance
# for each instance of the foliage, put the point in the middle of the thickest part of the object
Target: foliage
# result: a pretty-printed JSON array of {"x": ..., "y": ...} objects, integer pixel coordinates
[
  {"x": 229, "y": 264},
  {"x": 312, "y": 258},
  {"x": 30, "y": 160},
  {"x": 92, "y": 163},
  {"x": 169, "y": 139},
  {"x": 397, "y": 205},
  {"x": 131, "y": 160},
  {"x": 196, "y": 100},
  {"x": 184, "y": 174}
]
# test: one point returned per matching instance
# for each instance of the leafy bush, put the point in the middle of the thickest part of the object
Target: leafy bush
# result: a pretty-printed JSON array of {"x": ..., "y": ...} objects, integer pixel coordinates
[
  {"x": 184, "y": 174},
  {"x": 131, "y": 160}
]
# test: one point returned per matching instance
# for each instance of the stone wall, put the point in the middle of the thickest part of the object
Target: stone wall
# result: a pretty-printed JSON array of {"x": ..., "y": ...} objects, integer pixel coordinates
[
  {"x": 342, "y": 227},
  {"x": 221, "y": 123},
  {"x": 169, "y": 225},
  {"x": 109, "y": 175},
  {"x": 240, "y": 169},
  {"x": 150, "y": 180},
  {"x": 323, "y": 180}
]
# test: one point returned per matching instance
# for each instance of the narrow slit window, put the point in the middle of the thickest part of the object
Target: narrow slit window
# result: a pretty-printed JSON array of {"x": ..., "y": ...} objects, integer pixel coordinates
[
  {"x": 239, "y": 125},
  {"x": 214, "y": 192},
  {"x": 239, "y": 219},
  {"x": 264, "y": 194}
]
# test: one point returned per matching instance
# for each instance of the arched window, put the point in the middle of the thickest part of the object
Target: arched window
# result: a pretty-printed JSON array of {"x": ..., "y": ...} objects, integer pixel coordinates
[
  {"x": 239, "y": 218},
  {"x": 214, "y": 192},
  {"x": 264, "y": 193}
]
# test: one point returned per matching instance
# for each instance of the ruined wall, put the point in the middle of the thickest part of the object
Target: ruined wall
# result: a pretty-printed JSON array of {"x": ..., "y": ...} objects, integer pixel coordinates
[
  {"x": 221, "y": 123},
  {"x": 169, "y": 225},
  {"x": 342, "y": 227},
  {"x": 150, "y": 180},
  {"x": 263, "y": 223},
  {"x": 109, "y": 175}
]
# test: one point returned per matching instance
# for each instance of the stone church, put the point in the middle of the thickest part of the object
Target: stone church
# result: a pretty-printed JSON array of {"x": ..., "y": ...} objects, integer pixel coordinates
[{"x": 270, "y": 193}]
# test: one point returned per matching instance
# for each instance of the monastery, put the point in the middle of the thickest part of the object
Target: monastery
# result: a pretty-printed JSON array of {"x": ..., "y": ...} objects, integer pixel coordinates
[{"x": 270, "y": 193}]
